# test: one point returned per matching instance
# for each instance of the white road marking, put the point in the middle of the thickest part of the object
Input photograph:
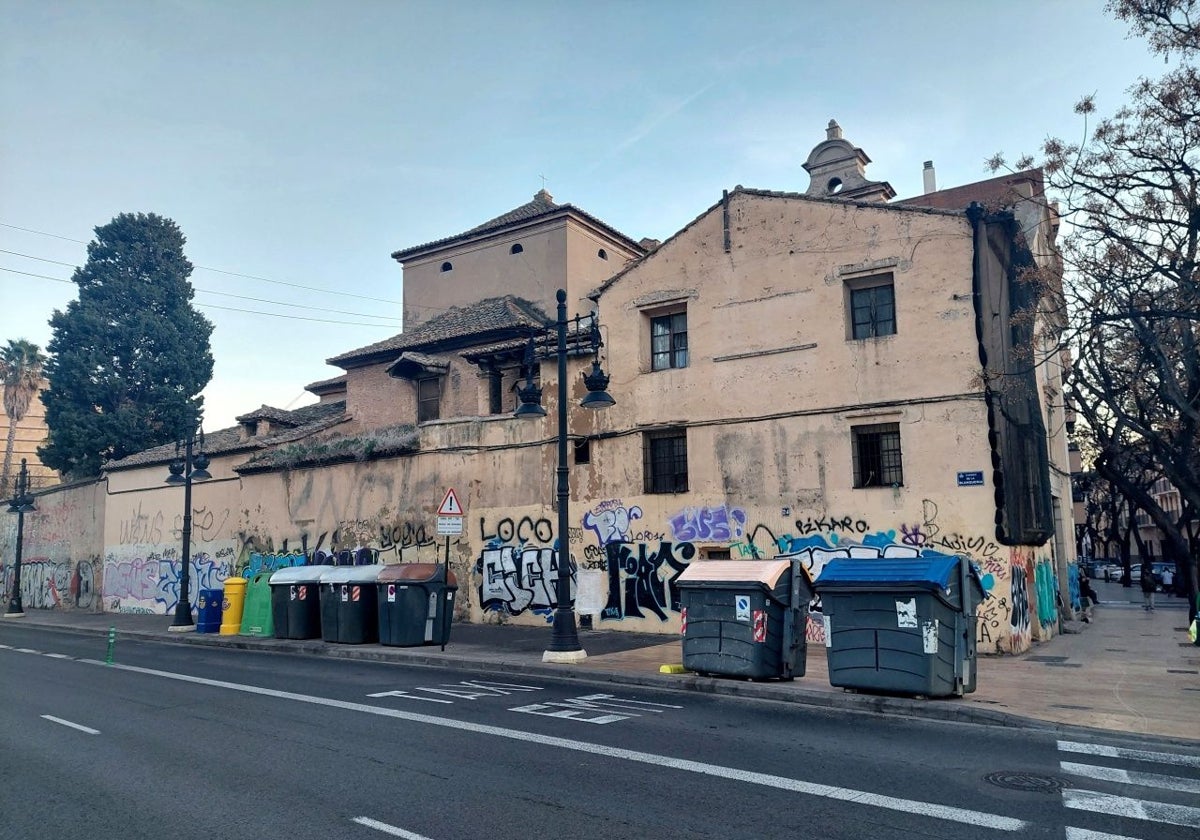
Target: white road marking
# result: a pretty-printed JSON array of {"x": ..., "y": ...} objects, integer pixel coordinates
[
  {"x": 860, "y": 797},
  {"x": 80, "y": 727},
  {"x": 5, "y": 647},
  {"x": 57, "y": 655},
  {"x": 1115, "y": 774},
  {"x": 409, "y": 696},
  {"x": 1138, "y": 809},
  {"x": 26, "y": 650},
  {"x": 1074, "y": 833},
  {"x": 388, "y": 829},
  {"x": 1136, "y": 755}
]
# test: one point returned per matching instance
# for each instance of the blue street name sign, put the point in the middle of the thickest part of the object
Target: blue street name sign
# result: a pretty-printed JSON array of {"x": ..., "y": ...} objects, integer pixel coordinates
[{"x": 970, "y": 479}]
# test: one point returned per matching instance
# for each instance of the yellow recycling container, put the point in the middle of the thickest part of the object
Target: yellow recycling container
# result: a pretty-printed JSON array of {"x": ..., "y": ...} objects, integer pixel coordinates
[{"x": 231, "y": 609}]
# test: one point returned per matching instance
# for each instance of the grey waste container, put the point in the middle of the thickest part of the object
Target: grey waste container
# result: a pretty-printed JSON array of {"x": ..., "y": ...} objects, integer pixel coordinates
[
  {"x": 348, "y": 605},
  {"x": 745, "y": 618},
  {"x": 901, "y": 624},
  {"x": 416, "y": 604},
  {"x": 295, "y": 602}
]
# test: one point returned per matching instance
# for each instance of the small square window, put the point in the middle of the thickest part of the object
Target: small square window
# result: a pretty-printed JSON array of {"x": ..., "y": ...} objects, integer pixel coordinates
[
  {"x": 877, "y": 461},
  {"x": 872, "y": 307},
  {"x": 669, "y": 341},
  {"x": 664, "y": 456},
  {"x": 583, "y": 451},
  {"x": 429, "y": 395}
]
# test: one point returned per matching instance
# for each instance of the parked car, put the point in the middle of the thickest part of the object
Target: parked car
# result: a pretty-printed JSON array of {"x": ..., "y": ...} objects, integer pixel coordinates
[{"x": 1109, "y": 571}]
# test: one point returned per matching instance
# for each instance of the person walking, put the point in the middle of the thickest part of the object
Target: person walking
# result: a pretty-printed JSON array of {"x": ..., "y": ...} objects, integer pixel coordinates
[
  {"x": 1087, "y": 597},
  {"x": 1147, "y": 586}
]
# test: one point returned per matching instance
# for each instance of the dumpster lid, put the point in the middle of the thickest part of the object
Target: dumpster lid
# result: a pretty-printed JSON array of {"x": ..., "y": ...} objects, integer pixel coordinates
[
  {"x": 352, "y": 574},
  {"x": 932, "y": 572},
  {"x": 736, "y": 571},
  {"x": 299, "y": 574},
  {"x": 415, "y": 573}
]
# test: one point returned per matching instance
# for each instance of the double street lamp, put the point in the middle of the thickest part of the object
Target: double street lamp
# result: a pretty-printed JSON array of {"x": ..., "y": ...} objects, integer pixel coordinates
[
  {"x": 21, "y": 504},
  {"x": 564, "y": 639},
  {"x": 186, "y": 468}
]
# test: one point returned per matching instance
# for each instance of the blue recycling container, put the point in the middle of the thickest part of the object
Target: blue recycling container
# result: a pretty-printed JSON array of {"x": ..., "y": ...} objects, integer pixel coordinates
[{"x": 208, "y": 614}]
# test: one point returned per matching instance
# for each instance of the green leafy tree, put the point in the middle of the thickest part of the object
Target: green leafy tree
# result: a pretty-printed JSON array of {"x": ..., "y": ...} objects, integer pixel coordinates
[
  {"x": 21, "y": 364},
  {"x": 130, "y": 357}
]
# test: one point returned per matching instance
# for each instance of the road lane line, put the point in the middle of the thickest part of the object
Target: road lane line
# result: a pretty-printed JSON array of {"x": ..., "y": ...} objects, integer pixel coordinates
[
  {"x": 1074, "y": 833},
  {"x": 1138, "y": 809},
  {"x": 1115, "y": 774},
  {"x": 78, "y": 726},
  {"x": 26, "y": 650},
  {"x": 388, "y": 829},
  {"x": 1136, "y": 755},
  {"x": 861, "y": 797},
  {"x": 57, "y": 655}
]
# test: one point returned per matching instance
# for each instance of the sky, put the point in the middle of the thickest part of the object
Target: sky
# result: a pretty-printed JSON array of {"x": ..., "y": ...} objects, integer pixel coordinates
[{"x": 298, "y": 144}]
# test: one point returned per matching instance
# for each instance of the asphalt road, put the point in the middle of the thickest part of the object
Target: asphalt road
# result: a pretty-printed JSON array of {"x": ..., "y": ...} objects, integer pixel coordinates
[{"x": 186, "y": 742}]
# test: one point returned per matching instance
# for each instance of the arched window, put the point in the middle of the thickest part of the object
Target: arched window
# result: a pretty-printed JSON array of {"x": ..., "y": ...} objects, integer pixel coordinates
[
  {"x": 446, "y": 266},
  {"x": 602, "y": 254},
  {"x": 516, "y": 249}
]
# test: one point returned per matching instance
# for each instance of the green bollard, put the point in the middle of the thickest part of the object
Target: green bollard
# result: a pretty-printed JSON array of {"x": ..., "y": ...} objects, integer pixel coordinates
[{"x": 112, "y": 640}]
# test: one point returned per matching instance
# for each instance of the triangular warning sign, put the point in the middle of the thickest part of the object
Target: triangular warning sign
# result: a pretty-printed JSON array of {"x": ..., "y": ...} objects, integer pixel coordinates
[{"x": 450, "y": 505}]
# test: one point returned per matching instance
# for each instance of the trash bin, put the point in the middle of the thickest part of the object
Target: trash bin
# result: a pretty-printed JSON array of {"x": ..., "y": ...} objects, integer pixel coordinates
[
  {"x": 231, "y": 605},
  {"x": 416, "y": 604},
  {"x": 295, "y": 601},
  {"x": 901, "y": 624},
  {"x": 256, "y": 613},
  {"x": 349, "y": 605},
  {"x": 745, "y": 618},
  {"x": 208, "y": 610}
]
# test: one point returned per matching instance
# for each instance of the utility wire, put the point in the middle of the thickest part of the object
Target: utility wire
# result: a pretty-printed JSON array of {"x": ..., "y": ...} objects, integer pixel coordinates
[
  {"x": 206, "y": 291},
  {"x": 233, "y": 309},
  {"x": 217, "y": 270}
]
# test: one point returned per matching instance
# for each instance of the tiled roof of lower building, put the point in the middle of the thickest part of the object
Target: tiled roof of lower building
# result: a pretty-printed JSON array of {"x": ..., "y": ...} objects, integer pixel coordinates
[
  {"x": 301, "y": 423},
  {"x": 487, "y": 320}
]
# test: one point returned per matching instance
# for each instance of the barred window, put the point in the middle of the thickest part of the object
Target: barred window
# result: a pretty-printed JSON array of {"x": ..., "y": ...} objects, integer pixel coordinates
[
  {"x": 871, "y": 306},
  {"x": 665, "y": 461},
  {"x": 877, "y": 461}
]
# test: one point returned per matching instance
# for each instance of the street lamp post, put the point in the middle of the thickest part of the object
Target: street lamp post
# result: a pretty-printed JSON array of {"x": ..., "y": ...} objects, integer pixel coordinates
[
  {"x": 21, "y": 504},
  {"x": 184, "y": 470},
  {"x": 564, "y": 639}
]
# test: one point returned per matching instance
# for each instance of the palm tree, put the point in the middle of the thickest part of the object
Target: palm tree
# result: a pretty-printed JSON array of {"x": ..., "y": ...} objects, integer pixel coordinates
[{"x": 21, "y": 364}]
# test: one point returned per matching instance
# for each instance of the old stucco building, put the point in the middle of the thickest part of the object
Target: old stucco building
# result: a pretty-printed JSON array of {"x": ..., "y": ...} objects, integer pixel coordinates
[{"x": 826, "y": 372}]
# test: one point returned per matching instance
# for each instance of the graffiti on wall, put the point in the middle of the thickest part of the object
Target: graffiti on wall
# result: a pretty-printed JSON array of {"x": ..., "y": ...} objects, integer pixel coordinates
[
  {"x": 1046, "y": 583},
  {"x": 513, "y": 579},
  {"x": 719, "y": 523},
  {"x": 610, "y": 521},
  {"x": 148, "y": 581},
  {"x": 48, "y": 584},
  {"x": 1073, "y": 586},
  {"x": 1020, "y": 620},
  {"x": 642, "y": 580}
]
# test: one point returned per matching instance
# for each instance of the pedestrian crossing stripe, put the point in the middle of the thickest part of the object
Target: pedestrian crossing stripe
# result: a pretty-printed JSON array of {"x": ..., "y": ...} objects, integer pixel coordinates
[
  {"x": 1139, "y": 809},
  {"x": 1179, "y": 759}
]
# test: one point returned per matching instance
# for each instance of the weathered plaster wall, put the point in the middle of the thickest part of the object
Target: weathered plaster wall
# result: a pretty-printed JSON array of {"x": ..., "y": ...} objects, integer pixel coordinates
[{"x": 62, "y": 550}]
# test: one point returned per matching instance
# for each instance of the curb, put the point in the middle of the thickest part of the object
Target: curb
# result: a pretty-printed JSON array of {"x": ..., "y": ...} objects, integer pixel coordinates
[{"x": 945, "y": 710}]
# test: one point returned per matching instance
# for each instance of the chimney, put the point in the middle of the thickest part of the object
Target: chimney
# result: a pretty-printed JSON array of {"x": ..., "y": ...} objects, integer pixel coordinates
[{"x": 930, "y": 178}]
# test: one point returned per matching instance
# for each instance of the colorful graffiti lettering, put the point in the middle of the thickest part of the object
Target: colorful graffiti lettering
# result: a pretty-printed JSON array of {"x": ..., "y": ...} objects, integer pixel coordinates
[
  {"x": 610, "y": 521},
  {"x": 514, "y": 580},
  {"x": 716, "y": 524}
]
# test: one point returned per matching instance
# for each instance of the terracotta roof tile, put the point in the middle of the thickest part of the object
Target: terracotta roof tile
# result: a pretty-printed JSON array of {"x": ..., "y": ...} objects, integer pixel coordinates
[
  {"x": 306, "y": 420},
  {"x": 487, "y": 320}
]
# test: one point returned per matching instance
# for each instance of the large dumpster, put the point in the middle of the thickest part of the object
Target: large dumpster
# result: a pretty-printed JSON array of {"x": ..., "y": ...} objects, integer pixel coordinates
[
  {"x": 348, "y": 605},
  {"x": 295, "y": 601},
  {"x": 745, "y": 618},
  {"x": 256, "y": 612},
  {"x": 901, "y": 624},
  {"x": 416, "y": 604}
]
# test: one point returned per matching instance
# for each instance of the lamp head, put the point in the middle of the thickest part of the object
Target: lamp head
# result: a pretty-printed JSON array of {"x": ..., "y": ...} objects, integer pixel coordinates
[{"x": 597, "y": 384}]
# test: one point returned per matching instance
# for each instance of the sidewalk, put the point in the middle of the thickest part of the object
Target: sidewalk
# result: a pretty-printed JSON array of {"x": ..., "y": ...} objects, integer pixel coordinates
[{"x": 1129, "y": 671}]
